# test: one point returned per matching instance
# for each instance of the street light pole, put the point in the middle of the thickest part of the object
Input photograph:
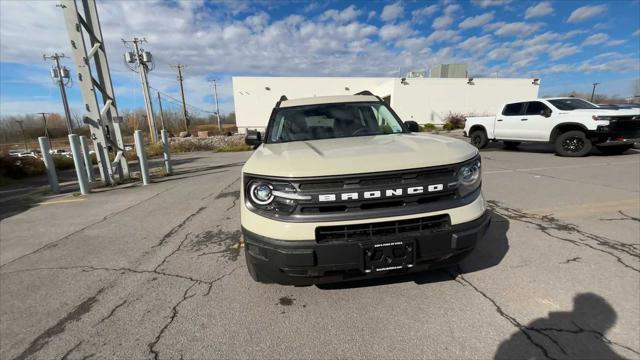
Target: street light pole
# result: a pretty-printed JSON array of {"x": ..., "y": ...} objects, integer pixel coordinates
[
  {"x": 593, "y": 92},
  {"x": 215, "y": 94}
]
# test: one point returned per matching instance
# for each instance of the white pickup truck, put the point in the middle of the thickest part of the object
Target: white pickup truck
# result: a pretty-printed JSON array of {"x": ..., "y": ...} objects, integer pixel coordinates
[{"x": 574, "y": 126}]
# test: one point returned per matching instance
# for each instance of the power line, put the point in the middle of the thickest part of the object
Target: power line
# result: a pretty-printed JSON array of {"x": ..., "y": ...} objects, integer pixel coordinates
[{"x": 180, "y": 102}]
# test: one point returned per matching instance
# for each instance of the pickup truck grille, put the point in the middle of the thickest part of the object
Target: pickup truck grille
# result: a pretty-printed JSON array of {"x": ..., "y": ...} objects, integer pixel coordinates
[{"x": 625, "y": 126}]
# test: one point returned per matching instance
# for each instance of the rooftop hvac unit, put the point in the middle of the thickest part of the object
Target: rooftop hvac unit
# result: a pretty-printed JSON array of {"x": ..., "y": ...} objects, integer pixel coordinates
[
  {"x": 129, "y": 57},
  {"x": 146, "y": 57}
]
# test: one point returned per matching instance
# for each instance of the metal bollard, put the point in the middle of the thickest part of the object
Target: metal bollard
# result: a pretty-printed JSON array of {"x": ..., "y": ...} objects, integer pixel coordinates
[
  {"x": 165, "y": 148},
  {"x": 88, "y": 164},
  {"x": 49, "y": 164},
  {"x": 74, "y": 141},
  {"x": 142, "y": 157}
]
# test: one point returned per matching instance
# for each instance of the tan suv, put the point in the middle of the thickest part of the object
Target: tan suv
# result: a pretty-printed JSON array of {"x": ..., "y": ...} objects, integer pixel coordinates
[{"x": 340, "y": 189}]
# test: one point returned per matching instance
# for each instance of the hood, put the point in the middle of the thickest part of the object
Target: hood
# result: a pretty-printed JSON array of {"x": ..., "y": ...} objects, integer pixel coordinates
[
  {"x": 357, "y": 155},
  {"x": 605, "y": 112}
]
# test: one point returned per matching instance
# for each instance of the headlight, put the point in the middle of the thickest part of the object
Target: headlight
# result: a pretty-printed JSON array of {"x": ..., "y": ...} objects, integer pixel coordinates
[
  {"x": 272, "y": 196},
  {"x": 602, "y": 118},
  {"x": 261, "y": 193},
  {"x": 469, "y": 177}
]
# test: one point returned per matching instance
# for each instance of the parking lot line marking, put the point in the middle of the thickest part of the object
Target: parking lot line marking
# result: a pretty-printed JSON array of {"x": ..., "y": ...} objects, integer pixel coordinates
[
  {"x": 60, "y": 201},
  {"x": 588, "y": 208},
  {"x": 560, "y": 167}
]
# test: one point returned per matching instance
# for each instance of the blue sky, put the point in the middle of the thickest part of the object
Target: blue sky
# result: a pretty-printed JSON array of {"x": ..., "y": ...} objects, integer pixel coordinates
[{"x": 568, "y": 44}]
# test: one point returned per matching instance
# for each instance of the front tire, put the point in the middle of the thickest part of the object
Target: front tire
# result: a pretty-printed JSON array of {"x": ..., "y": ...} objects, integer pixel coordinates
[
  {"x": 613, "y": 149},
  {"x": 573, "y": 143},
  {"x": 479, "y": 139}
]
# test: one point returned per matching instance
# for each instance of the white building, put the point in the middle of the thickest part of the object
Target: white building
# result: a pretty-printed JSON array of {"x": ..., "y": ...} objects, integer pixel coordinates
[{"x": 424, "y": 100}]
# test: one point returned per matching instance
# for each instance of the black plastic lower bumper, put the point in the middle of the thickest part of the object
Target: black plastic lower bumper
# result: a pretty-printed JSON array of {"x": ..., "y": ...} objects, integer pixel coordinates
[{"x": 312, "y": 262}]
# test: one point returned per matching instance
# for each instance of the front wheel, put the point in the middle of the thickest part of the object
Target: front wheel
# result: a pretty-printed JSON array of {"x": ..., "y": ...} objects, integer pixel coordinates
[
  {"x": 572, "y": 143},
  {"x": 613, "y": 149},
  {"x": 479, "y": 139}
]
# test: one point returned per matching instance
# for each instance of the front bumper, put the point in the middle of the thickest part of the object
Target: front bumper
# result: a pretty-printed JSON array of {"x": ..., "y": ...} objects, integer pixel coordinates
[
  {"x": 311, "y": 262},
  {"x": 617, "y": 133}
]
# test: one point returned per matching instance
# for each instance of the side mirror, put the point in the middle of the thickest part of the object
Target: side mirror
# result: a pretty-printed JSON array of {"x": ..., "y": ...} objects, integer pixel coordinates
[
  {"x": 412, "y": 126},
  {"x": 546, "y": 113},
  {"x": 253, "y": 138}
]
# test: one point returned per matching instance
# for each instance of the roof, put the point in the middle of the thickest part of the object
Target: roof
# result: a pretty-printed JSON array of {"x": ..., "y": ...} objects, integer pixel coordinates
[{"x": 316, "y": 100}]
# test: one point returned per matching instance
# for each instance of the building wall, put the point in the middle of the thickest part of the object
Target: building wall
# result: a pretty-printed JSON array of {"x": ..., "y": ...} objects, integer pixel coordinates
[
  {"x": 425, "y": 100},
  {"x": 429, "y": 100}
]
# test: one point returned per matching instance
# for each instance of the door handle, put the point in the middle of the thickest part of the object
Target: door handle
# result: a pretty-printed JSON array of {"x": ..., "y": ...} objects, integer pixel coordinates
[
  {"x": 499, "y": 119},
  {"x": 523, "y": 119}
]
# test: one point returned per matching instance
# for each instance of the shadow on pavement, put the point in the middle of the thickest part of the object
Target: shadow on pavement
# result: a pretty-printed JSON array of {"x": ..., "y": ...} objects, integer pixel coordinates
[
  {"x": 576, "y": 334},
  {"x": 488, "y": 252},
  {"x": 542, "y": 148}
]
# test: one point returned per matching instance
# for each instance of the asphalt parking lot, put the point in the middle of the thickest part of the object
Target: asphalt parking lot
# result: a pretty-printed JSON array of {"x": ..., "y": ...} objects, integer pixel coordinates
[{"x": 157, "y": 272}]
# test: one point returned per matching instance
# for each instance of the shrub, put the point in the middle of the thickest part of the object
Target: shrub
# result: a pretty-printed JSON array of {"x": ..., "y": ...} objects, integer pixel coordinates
[
  {"x": 213, "y": 129},
  {"x": 454, "y": 121},
  {"x": 428, "y": 127},
  {"x": 63, "y": 162},
  {"x": 234, "y": 147},
  {"x": 18, "y": 168}
]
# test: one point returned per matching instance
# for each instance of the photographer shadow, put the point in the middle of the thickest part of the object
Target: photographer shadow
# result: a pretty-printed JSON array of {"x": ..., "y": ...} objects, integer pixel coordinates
[{"x": 576, "y": 334}]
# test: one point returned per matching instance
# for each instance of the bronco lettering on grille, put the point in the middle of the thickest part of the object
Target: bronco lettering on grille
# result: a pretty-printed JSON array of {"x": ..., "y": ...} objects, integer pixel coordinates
[{"x": 377, "y": 194}]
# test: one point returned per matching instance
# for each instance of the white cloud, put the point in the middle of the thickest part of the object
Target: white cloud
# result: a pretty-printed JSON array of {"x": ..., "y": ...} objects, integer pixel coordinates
[
  {"x": 513, "y": 29},
  {"x": 499, "y": 53},
  {"x": 413, "y": 44},
  {"x": 487, "y": 3},
  {"x": 443, "y": 35},
  {"x": 596, "y": 39},
  {"x": 476, "y": 21},
  {"x": 442, "y": 22},
  {"x": 371, "y": 15},
  {"x": 348, "y": 14},
  {"x": 392, "y": 12},
  {"x": 477, "y": 44},
  {"x": 392, "y": 31},
  {"x": 419, "y": 15},
  {"x": 586, "y": 12},
  {"x": 540, "y": 9},
  {"x": 636, "y": 33},
  {"x": 616, "y": 42},
  {"x": 560, "y": 51}
]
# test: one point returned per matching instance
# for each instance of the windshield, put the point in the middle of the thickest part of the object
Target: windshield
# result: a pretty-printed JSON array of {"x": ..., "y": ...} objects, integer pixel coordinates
[
  {"x": 329, "y": 121},
  {"x": 572, "y": 104}
]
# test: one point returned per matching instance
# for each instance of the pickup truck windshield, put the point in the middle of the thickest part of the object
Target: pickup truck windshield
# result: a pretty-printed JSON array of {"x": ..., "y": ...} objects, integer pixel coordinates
[
  {"x": 572, "y": 104},
  {"x": 327, "y": 121}
]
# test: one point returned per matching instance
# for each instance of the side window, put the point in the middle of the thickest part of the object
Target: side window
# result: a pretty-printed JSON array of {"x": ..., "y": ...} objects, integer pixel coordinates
[
  {"x": 513, "y": 109},
  {"x": 536, "y": 108}
]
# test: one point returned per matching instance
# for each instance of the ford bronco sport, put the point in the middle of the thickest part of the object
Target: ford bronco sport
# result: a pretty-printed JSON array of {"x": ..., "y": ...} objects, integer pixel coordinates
[{"x": 340, "y": 189}]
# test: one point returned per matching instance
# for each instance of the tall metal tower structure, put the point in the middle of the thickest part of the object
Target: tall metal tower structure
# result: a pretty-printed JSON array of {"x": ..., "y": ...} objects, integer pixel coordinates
[
  {"x": 101, "y": 116},
  {"x": 143, "y": 61},
  {"x": 60, "y": 75}
]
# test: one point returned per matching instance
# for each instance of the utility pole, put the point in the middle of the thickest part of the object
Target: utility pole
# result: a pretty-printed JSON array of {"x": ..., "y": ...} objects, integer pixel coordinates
[
  {"x": 161, "y": 112},
  {"x": 24, "y": 138},
  {"x": 59, "y": 74},
  {"x": 593, "y": 92},
  {"x": 142, "y": 59},
  {"x": 46, "y": 129},
  {"x": 215, "y": 95},
  {"x": 184, "y": 103}
]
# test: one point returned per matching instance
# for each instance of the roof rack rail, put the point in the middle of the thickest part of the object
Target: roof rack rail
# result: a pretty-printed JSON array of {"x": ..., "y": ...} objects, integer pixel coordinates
[
  {"x": 282, "y": 98},
  {"x": 364, "y": 92}
]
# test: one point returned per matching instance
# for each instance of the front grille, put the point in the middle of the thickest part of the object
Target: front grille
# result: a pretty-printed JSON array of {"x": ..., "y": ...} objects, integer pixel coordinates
[
  {"x": 625, "y": 128},
  {"x": 366, "y": 232}
]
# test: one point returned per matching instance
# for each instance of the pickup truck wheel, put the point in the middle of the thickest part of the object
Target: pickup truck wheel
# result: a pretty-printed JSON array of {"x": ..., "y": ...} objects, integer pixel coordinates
[
  {"x": 572, "y": 143},
  {"x": 613, "y": 149},
  {"x": 511, "y": 144},
  {"x": 479, "y": 139}
]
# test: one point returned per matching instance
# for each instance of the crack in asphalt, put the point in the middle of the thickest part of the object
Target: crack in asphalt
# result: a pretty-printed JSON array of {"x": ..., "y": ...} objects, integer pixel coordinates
[
  {"x": 186, "y": 236},
  {"x": 174, "y": 314},
  {"x": 575, "y": 259},
  {"x": 66, "y": 355},
  {"x": 458, "y": 275},
  {"x": 113, "y": 311},
  {"x": 624, "y": 217},
  {"x": 223, "y": 190},
  {"x": 177, "y": 228},
  {"x": 59, "y": 327},
  {"x": 232, "y": 194},
  {"x": 218, "y": 279},
  {"x": 548, "y": 223},
  {"x": 581, "y": 330}
]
